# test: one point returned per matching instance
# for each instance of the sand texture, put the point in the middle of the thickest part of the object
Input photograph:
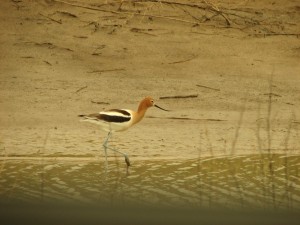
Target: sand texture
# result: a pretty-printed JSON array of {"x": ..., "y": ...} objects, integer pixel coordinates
[{"x": 233, "y": 65}]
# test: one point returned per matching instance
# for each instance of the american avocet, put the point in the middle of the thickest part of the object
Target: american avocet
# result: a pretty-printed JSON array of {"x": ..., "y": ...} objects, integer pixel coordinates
[{"x": 119, "y": 120}]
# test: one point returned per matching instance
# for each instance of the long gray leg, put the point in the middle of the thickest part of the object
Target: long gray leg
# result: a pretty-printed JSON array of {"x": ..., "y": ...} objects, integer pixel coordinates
[
  {"x": 105, "y": 145},
  {"x": 105, "y": 148},
  {"x": 122, "y": 153}
]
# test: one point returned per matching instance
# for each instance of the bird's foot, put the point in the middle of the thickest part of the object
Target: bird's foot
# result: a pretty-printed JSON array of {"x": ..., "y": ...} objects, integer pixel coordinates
[{"x": 127, "y": 160}]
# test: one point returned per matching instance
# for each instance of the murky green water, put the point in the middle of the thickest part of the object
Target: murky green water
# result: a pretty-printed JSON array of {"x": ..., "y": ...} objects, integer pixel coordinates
[{"x": 256, "y": 181}]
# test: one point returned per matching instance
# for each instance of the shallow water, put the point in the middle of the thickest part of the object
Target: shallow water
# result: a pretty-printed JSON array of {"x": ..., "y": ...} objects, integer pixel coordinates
[{"x": 252, "y": 181}]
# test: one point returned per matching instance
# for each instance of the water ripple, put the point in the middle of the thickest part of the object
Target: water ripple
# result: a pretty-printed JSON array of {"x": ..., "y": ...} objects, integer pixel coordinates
[{"x": 261, "y": 181}]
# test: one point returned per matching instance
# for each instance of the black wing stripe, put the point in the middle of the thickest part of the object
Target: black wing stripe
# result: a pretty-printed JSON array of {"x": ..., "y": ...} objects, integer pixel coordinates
[
  {"x": 107, "y": 118},
  {"x": 123, "y": 116},
  {"x": 114, "y": 119}
]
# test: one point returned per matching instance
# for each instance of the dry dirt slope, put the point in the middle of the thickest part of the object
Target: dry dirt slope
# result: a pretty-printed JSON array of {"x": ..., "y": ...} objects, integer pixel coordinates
[{"x": 60, "y": 59}]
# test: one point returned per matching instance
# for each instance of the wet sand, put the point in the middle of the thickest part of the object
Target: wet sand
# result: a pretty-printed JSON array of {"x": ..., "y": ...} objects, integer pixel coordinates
[{"x": 59, "y": 61}]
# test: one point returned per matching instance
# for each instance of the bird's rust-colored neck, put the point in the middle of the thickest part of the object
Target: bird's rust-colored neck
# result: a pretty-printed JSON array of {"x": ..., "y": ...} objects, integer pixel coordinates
[
  {"x": 139, "y": 116},
  {"x": 143, "y": 106}
]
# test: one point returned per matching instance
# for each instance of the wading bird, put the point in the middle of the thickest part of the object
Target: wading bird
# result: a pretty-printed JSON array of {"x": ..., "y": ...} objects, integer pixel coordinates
[{"x": 119, "y": 120}]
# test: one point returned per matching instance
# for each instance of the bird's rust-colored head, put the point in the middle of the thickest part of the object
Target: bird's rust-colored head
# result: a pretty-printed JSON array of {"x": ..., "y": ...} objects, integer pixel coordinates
[{"x": 148, "y": 102}]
